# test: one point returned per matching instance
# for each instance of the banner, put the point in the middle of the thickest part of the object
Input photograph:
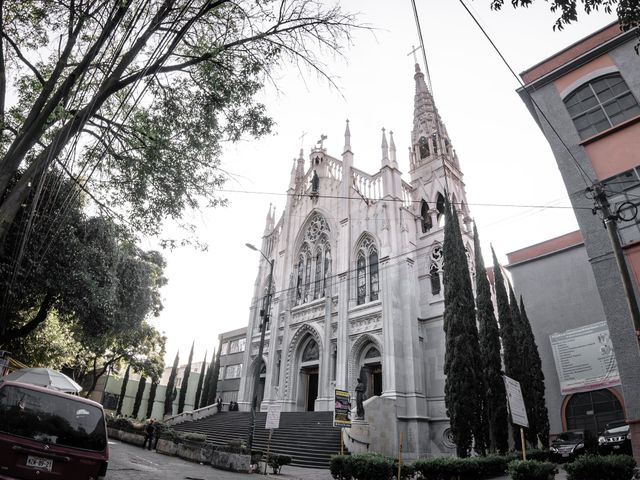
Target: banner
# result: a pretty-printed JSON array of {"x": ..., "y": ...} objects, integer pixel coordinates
[
  {"x": 516, "y": 402},
  {"x": 342, "y": 411},
  {"x": 585, "y": 359}
]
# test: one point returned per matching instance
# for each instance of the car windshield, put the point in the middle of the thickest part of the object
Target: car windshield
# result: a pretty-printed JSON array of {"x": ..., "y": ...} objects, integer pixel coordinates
[
  {"x": 571, "y": 436},
  {"x": 51, "y": 419}
]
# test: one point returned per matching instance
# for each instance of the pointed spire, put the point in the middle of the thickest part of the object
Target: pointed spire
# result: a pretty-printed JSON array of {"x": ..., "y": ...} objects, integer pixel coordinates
[
  {"x": 300, "y": 167},
  {"x": 392, "y": 151},
  {"x": 385, "y": 149},
  {"x": 347, "y": 138},
  {"x": 267, "y": 223}
]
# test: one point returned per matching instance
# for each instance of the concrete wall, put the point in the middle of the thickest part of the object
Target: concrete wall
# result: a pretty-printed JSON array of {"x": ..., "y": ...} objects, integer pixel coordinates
[{"x": 560, "y": 293}]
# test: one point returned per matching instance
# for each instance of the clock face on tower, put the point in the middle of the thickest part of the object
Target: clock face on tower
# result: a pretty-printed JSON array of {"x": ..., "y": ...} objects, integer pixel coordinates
[{"x": 423, "y": 144}]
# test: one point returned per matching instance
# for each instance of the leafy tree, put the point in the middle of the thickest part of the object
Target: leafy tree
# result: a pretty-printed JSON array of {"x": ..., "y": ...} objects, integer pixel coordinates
[
  {"x": 169, "y": 396},
  {"x": 213, "y": 382},
  {"x": 538, "y": 409},
  {"x": 494, "y": 416},
  {"x": 628, "y": 11},
  {"x": 138, "y": 400},
  {"x": 196, "y": 402},
  {"x": 152, "y": 396},
  {"x": 145, "y": 93},
  {"x": 508, "y": 328},
  {"x": 185, "y": 382},
  {"x": 464, "y": 382},
  {"x": 123, "y": 390}
]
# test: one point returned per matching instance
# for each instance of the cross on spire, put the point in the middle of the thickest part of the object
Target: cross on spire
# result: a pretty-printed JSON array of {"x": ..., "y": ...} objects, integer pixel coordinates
[{"x": 413, "y": 51}]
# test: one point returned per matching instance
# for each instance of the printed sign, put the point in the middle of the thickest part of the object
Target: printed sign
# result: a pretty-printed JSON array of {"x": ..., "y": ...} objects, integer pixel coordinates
[
  {"x": 585, "y": 359},
  {"x": 273, "y": 416},
  {"x": 342, "y": 411},
  {"x": 516, "y": 402}
]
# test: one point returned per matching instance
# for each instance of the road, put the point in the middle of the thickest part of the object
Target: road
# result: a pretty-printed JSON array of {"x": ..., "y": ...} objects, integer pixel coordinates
[{"x": 128, "y": 462}]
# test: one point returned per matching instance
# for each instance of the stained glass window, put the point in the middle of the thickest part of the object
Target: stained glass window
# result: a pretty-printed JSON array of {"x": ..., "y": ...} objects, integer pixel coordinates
[
  {"x": 373, "y": 276},
  {"x": 327, "y": 271},
  {"x": 362, "y": 278},
  {"x": 310, "y": 352},
  {"x": 426, "y": 217},
  {"x": 299, "y": 286},
  {"x": 307, "y": 277},
  {"x": 435, "y": 279},
  {"x": 318, "y": 275}
]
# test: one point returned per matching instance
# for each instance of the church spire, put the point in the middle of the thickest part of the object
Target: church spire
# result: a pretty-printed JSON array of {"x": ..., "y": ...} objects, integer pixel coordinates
[
  {"x": 300, "y": 170},
  {"x": 385, "y": 149},
  {"x": 268, "y": 222},
  {"x": 347, "y": 138},
  {"x": 392, "y": 151}
]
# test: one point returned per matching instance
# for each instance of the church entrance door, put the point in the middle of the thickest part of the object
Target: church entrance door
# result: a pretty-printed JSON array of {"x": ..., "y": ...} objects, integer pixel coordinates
[{"x": 311, "y": 382}]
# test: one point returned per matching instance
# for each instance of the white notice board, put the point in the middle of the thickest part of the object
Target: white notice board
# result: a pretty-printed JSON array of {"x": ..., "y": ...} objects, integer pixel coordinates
[
  {"x": 516, "y": 402},
  {"x": 273, "y": 416}
]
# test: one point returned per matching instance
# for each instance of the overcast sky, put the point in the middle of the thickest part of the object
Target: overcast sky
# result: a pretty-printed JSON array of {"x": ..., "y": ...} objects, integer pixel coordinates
[{"x": 503, "y": 155}]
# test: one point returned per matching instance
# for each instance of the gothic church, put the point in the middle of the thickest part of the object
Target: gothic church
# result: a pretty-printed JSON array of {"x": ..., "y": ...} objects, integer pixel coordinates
[{"x": 357, "y": 288}]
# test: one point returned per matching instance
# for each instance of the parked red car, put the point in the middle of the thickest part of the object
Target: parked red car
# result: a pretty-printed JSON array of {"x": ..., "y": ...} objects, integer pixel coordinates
[{"x": 45, "y": 434}]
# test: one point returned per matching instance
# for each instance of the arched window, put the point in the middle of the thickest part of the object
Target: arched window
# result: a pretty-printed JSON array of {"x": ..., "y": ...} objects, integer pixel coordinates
[
  {"x": 314, "y": 261},
  {"x": 362, "y": 278},
  {"x": 373, "y": 275},
  {"x": 367, "y": 272},
  {"x": 327, "y": 270},
  {"x": 318, "y": 276},
  {"x": 311, "y": 352},
  {"x": 435, "y": 269},
  {"x": 434, "y": 137},
  {"x": 601, "y": 104},
  {"x": 426, "y": 217},
  {"x": 423, "y": 145},
  {"x": 440, "y": 206}
]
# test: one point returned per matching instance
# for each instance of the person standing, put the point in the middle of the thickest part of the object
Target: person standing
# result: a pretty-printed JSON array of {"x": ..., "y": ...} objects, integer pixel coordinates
[{"x": 149, "y": 433}]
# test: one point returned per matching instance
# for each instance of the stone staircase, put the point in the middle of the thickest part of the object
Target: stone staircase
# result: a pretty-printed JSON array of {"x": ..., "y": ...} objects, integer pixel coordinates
[{"x": 308, "y": 437}]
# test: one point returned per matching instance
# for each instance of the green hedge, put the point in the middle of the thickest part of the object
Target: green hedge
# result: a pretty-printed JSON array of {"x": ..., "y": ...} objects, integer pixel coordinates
[
  {"x": 368, "y": 466},
  {"x": 530, "y": 470},
  {"x": 593, "y": 467},
  {"x": 444, "y": 468}
]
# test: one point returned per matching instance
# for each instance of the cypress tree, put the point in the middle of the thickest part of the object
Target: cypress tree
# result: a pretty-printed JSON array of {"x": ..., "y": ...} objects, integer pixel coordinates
[
  {"x": 204, "y": 399},
  {"x": 138, "y": 400},
  {"x": 520, "y": 368},
  {"x": 213, "y": 385},
  {"x": 495, "y": 419},
  {"x": 152, "y": 396},
  {"x": 538, "y": 410},
  {"x": 123, "y": 390},
  {"x": 185, "y": 382},
  {"x": 463, "y": 384},
  {"x": 196, "y": 402},
  {"x": 169, "y": 396}
]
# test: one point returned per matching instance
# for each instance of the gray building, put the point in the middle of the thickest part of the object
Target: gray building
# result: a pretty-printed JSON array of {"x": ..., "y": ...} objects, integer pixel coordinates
[
  {"x": 232, "y": 347},
  {"x": 560, "y": 294},
  {"x": 585, "y": 101}
]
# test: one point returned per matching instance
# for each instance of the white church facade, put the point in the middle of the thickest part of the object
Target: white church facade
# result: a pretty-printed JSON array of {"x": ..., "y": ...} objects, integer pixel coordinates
[{"x": 357, "y": 287}]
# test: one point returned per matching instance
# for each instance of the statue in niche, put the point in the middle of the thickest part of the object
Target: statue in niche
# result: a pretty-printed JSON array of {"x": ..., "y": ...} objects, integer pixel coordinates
[
  {"x": 315, "y": 184},
  {"x": 360, "y": 389}
]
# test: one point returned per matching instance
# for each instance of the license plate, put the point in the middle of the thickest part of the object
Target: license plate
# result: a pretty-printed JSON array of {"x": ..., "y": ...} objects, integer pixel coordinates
[
  {"x": 565, "y": 454},
  {"x": 41, "y": 463},
  {"x": 616, "y": 447}
]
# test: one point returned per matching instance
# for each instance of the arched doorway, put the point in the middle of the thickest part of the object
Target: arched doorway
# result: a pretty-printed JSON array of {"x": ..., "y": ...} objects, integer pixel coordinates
[
  {"x": 371, "y": 371},
  {"x": 261, "y": 383},
  {"x": 309, "y": 375},
  {"x": 592, "y": 410}
]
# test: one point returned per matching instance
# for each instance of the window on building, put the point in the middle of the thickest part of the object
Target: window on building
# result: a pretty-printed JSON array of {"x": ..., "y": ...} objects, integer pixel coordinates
[
  {"x": 367, "y": 273},
  {"x": 237, "y": 345},
  {"x": 299, "y": 284},
  {"x": 307, "y": 276},
  {"x": 373, "y": 275},
  {"x": 314, "y": 261},
  {"x": 601, "y": 104},
  {"x": 440, "y": 206},
  {"x": 311, "y": 352},
  {"x": 233, "y": 371},
  {"x": 362, "y": 278},
  {"x": 423, "y": 145},
  {"x": 225, "y": 348},
  {"x": 593, "y": 410},
  {"x": 426, "y": 217},
  {"x": 221, "y": 373},
  {"x": 327, "y": 271},
  {"x": 318, "y": 276}
]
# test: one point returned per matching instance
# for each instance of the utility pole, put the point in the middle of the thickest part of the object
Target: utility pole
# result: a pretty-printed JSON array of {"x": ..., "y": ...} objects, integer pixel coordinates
[
  {"x": 610, "y": 221},
  {"x": 264, "y": 321}
]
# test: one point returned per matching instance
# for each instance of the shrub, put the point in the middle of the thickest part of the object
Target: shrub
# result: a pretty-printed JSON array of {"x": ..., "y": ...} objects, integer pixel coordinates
[
  {"x": 340, "y": 467},
  {"x": 592, "y": 467},
  {"x": 408, "y": 471},
  {"x": 371, "y": 466},
  {"x": 276, "y": 462},
  {"x": 530, "y": 470},
  {"x": 537, "y": 454}
]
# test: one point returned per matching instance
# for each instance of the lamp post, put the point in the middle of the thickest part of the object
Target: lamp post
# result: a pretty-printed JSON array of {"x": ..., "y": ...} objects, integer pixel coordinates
[{"x": 264, "y": 315}]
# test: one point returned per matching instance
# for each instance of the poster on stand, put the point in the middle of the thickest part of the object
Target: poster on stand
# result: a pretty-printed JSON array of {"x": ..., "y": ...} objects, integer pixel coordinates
[
  {"x": 273, "y": 416},
  {"x": 342, "y": 410},
  {"x": 515, "y": 401}
]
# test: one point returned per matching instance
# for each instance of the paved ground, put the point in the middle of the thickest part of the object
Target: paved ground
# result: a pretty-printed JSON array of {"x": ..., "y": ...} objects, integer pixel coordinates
[{"x": 128, "y": 462}]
